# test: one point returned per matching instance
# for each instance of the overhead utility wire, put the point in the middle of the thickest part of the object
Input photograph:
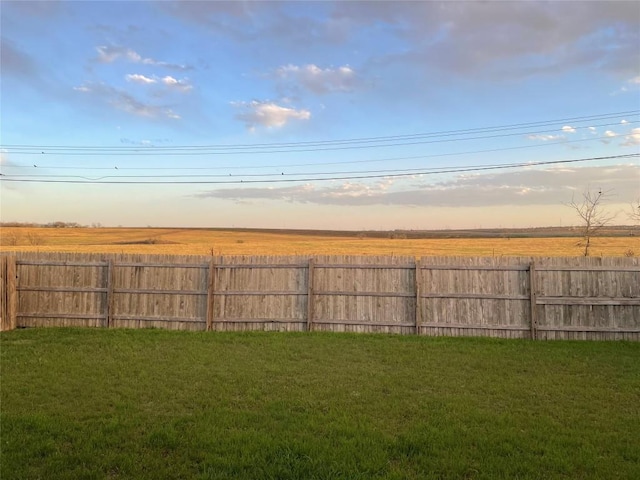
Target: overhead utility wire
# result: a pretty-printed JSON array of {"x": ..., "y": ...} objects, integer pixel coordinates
[
  {"x": 381, "y": 138},
  {"x": 334, "y": 142},
  {"x": 282, "y": 173},
  {"x": 252, "y": 175},
  {"x": 350, "y": 147},
  {"x": 308, "y": 164},
  {"x": 289, "y": 180}
]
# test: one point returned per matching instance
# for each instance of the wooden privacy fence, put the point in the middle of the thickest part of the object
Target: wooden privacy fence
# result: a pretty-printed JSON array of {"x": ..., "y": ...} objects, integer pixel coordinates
[{"x": 512, "y": 297}]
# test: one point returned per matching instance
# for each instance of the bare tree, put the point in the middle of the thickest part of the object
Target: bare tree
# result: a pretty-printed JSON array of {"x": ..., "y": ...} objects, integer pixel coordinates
[
  {"x": 591, "y": 213},
  {"x": 634, "y": 212}
]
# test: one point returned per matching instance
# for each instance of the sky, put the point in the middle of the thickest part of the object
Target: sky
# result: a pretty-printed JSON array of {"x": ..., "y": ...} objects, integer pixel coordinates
[{"x": 319, "y": 115}]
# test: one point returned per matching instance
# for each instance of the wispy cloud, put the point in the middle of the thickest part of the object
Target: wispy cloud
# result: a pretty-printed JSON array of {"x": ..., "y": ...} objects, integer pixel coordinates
[
  {"x": 318, "y": 80},
  {"x": 545, "y": 138},
  {"x": 631, "y": 84},
  {"x": 268, "y": 114},
  {"x": 568, "y": 129},
  {"x": 523, "y": 187},
  {"x": 181, "y": 85},
  {"x": 141, "y": 79},
  {"x": 124, "y": 101},
  {"x": 14, "y": 61},
  {"x": 111, "y": 53},
  {"x": 168, "y": 81}
]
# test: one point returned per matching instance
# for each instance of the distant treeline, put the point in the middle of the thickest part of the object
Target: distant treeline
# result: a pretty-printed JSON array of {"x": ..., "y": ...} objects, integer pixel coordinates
[
  {"x": 48, "y": 225},
  {"x": 532, "y": 232}
]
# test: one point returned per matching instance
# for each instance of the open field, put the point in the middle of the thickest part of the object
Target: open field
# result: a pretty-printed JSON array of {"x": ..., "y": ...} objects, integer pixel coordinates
[
  {"x": 255, "y": 242},
  {"x": 153, "y": 404}
]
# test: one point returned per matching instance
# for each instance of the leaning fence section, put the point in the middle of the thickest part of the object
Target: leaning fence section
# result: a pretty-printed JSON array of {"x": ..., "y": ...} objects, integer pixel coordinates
[{"x": 509, "y": 297}]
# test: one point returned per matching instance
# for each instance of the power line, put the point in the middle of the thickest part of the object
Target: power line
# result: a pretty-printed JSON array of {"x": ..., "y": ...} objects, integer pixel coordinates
[
  {"x": 328, "y": 145},
  {"x": 349, "y": 177},
  {"x": 380, "y": 138},
  {"x": 316, "y": 164}
]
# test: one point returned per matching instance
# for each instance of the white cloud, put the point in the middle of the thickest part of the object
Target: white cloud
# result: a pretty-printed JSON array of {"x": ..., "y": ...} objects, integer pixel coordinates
[
  {"x": 268, "y": 114},
  {"x": 623, "y": 122},
  {"x": 137, "y": 78},
  {"x": 568, "y": 129},
  {"x": 633, "y": 138},
  {"x": 545, "y": 138},
  {"x": 111, "y": 53},
  {"x": 634, "y": 80},
  {"x": 168, "y": 81},
  {"x": 319, "y": 80},
  {"x": 608, "y": 134},
  {"x": 182, "y": 85}
]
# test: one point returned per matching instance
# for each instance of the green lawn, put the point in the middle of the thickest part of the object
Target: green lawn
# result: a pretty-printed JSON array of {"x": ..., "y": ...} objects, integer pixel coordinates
[{"x": 157, "y": 405}]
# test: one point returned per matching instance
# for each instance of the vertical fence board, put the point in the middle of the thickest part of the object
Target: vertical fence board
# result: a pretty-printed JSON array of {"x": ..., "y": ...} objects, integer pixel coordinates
[
  {"x": 211, "y": 294},
  {"x": 533, "y": 306},
  {"x": 418, "y": 289},
  {"x": 110, "y": 298},
  {"x": 310, "y": 298},
  {"x": 4, "y": 320}
]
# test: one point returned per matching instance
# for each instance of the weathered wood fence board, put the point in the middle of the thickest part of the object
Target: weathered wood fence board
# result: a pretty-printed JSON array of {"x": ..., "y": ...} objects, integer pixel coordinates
[{"x": 511, "y": 297}]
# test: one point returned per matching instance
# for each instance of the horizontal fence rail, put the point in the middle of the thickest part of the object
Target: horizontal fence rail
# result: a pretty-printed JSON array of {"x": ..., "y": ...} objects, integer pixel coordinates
[{"x": 510, "y": 297}]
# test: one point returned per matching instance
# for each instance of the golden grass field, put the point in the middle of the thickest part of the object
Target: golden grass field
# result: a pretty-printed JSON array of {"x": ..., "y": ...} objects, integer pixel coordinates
[{"x": 219, "y": 242}]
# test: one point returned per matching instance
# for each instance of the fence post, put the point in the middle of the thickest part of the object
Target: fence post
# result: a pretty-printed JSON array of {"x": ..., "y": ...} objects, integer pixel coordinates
[
  {"x": 418, "y": 293},
  {"x": 310, "y": 295},
  {"x": 211, "y": 294},
  {"x": 110, "y": 299},
  {"x": 8, "y": 292},
  {"x": 3, "y": 291},
  {"x": 532, "y": 295}
]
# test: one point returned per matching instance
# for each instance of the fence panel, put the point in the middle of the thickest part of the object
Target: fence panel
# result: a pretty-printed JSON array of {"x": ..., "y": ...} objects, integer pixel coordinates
[
  {"x": 589, "y": 298},
  {"x": 466, "y": 296},
  {"x": 364, "y": 294},
  {"x": 64, "y": 290},
  {"x": 260, "y": 293},
  {"x": 160, "y": 292}
]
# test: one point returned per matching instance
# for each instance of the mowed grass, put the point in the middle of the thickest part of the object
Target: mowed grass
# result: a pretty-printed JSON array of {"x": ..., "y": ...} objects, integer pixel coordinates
[
  {"x": 206, "y": 242},
  {"x": 149, "y": 404}
]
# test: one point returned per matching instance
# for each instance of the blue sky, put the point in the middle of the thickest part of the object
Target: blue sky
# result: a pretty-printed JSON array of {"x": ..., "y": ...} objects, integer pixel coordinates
[{"x": 339, "y": 115}]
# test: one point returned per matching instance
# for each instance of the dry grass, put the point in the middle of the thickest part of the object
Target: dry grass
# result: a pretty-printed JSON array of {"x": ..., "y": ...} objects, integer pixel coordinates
[{"x": 205, "y": 242}]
